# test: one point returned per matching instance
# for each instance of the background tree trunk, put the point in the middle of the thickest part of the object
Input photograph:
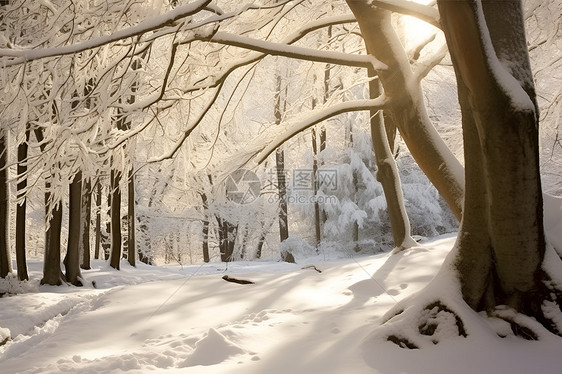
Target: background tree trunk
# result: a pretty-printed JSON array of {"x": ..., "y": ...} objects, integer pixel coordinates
[
  {"x": 204, "y": 200},
  {"x": 131, "y": 220},
  {"x": 115, "y": 212},
  {"x": 85, "y": 221},
  {"x": 21, "y": 208},
  {"x": 52, "y": 273},
  {"x": 72, "y": 258},
  {"x": 98, "y": 220},
  {"x": 280, "y": 102},
  {"x": 5, "y": 261}
]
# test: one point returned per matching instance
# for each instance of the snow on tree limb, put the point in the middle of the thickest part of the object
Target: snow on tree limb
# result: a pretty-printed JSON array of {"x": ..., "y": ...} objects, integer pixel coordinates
[
  {"x": 321, "y": 115},
  {"x": 280, "y": 49},
  {"x": 422, "y": 68},
  {"x": 253, "y": 57},
  {"x": 149, "y": 24}
]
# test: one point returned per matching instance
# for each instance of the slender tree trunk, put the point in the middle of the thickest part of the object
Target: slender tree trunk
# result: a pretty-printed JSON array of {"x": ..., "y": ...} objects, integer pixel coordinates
[
  {"x": 281, "y": 183},
  {"x": 131, "y": 220},
  {"x": 5, "y": 261},
  {"x": 72, "y": 258},
  {"x": 223, "y": 240},
  {"x": 501, "y": 244},
  {"x": 21, "y": 254},
  {"x": 98, "y": 220},
  {"x": 388, "y": 176},
  {"x": 115, "y": 209},
  {"x": 355, "y": 182},
  {"x": 317, "y": 222},
  {"x": 408, "y": 108},
  {"x": 206, "y": 257},
  {"x": 85, "y": 224},
  {"x": 280, "y": 165}
]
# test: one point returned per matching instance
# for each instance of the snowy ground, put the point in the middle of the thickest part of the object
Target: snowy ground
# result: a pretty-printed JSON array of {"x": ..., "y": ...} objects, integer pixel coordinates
[{"x": 292, "y": 320}]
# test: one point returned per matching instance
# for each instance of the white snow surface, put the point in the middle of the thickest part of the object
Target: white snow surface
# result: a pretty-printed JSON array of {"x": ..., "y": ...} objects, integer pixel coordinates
[{"x": 292, "y": 320}]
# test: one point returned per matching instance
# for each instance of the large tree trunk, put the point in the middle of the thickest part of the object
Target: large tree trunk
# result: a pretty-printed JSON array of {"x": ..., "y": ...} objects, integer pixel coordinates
[
  {"x": 72, "y": 258},
  {"x": 5, "y": 261},
  {"x": 501, "y": 241},
  {"x": 407, "y": 105},
  {"x": 21, "y": 208}
]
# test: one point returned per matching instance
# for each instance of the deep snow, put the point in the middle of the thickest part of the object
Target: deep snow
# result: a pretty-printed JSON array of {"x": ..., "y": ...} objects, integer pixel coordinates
[{"x": 292, "y": 320}]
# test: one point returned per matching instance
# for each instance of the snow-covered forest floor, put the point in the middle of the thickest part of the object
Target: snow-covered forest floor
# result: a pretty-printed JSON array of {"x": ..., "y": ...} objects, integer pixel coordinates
[{"x": 294, "y": 319}]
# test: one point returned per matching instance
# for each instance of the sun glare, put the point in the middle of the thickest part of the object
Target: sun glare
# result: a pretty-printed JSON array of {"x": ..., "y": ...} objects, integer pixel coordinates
[{"x": 416, "y": 30}]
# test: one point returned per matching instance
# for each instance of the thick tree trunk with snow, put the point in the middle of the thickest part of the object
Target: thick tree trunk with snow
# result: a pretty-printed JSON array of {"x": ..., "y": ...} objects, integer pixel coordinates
[
  {"x": 501, "y": 242},
  {"x": 408, "y": 108}
]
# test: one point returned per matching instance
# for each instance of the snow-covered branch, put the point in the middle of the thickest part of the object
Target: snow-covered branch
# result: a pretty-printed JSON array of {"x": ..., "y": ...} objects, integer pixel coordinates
[
  {"x": 422, "y": 68},
  {"x": 149, "y": 24},
  {"x": 253, "y": 57},
  {"x": 281, "y": 49},
  {"x": 321, "y": 115}
]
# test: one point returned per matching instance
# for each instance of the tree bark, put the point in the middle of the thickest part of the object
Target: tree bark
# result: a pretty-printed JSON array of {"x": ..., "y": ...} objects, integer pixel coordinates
[
  {"x": 317, "y": 221},
  {"x": 85, "y": 220},
  {"x": 5, "y": 261},
  {"x": 21, "y": 208},
  {"x": 388, "y": 176},
  {"x": 52, "y": 273},
  {"x": 204, "y": 200},
  {"x": 98, "y": 220},
  {"x": 72, "y": 258},
  {"x": 407, "y": 105},
  {"x": 501, "y": 241},
  {"x": 115, "y": 211},
  {"x": 280, "y": 168},
  {"x": 131, "y": 220}
]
